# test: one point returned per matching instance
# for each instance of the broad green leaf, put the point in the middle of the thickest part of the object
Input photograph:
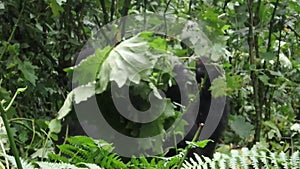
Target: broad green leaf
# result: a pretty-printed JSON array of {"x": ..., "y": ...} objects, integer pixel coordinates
[
  {"x": 169, "y": 109},
  {"x": 4, "y": 94},
  {"x": 180, "y": 127},
  {"x": 158, "y": 43},
  {"x": 234, "y": 83},
  {"x": 86, "y": 70},
  {"x": 267, "y": 56},
  {"x": 151, "y": 129},
  {"x": 55, "y": 126},
  {"x": 218, "y": 87},
  {"x": 28, "y": 71},
  {"x": 241, "y": 127}
]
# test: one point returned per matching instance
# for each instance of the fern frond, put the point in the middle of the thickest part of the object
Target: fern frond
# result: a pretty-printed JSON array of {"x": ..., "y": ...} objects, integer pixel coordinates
[
  {"x": 273, "y": 160},
  {"x": 25, "y": 164},
  {"x": 233, "y": 159},
  {"x": 264, "y": 159},
  {"x": 284, "y": 160},
  {"x": 295, "y": 160},
  {"x": 244, "y": 159},
  {"x": 253, "y": 158},
  {"x": 90, "y": 166},
  {"x": 48, "y": 165}
]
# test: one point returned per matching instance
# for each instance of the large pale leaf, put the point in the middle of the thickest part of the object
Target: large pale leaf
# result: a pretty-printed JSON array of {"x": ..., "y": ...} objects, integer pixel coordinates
[
  {"x": 127, "y": 62},
  {"x": 86, "y": 70}
]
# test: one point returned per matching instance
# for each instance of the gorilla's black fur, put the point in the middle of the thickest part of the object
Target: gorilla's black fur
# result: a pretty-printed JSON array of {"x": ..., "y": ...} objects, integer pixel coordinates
[{"x": 204, "y": 80}]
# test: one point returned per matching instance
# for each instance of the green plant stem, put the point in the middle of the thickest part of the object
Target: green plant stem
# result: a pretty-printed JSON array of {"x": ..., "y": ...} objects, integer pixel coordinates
[
  {"x": 10, "y": 137},
  {"x": 253, "y": 75},
  {"x": 188, "y": 147},
  {"x": 10, "y": 103}
]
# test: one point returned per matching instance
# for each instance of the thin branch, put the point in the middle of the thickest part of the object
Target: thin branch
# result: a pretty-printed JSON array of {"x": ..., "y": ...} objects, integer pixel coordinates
[
  {"x": 167, "y": 6},
  {"x": 125, "y": 9},
  {"x": 225, "y": 4},
  {"x": 112, "y": 10},
  {"x": 271, "y": 26},
  {"x": 126, "y": 6},
  {"x": 253, "y": 73},
  {"x": 279, "y": 45},
  {"x": 190, "y": 6},
  {"x": 101, "y": 30},
  {"x": 293, "y": 30},
  {"x": 105, "y": 17}
]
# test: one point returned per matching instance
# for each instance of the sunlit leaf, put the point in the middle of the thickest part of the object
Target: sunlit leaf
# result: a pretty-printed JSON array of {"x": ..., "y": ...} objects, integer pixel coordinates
[
  {"x": 55, "y": 126},
  {"x": 127, "y": 62}
]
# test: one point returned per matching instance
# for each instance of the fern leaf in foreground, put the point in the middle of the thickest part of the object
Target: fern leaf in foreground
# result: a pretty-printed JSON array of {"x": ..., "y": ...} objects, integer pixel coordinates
[{"x": 244, "y": 159}]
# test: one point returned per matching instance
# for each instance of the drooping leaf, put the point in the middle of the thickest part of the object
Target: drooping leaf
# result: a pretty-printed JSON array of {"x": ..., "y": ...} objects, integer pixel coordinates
[
  {"x": 83, "y": 93},
  {"x": 77, "y": 95},
  {"x": 67, "y": 106},
  {"x": 28, "y": 70}
]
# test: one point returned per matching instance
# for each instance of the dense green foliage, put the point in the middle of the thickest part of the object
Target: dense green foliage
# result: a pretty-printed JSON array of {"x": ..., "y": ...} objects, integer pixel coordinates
[{"x": 257, "y": 41}]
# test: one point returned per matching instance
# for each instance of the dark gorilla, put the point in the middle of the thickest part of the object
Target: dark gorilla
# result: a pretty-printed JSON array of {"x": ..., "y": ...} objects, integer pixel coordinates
[
  {"x": 204, "y": 82},
  {"x": 174, "y": 94}
]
